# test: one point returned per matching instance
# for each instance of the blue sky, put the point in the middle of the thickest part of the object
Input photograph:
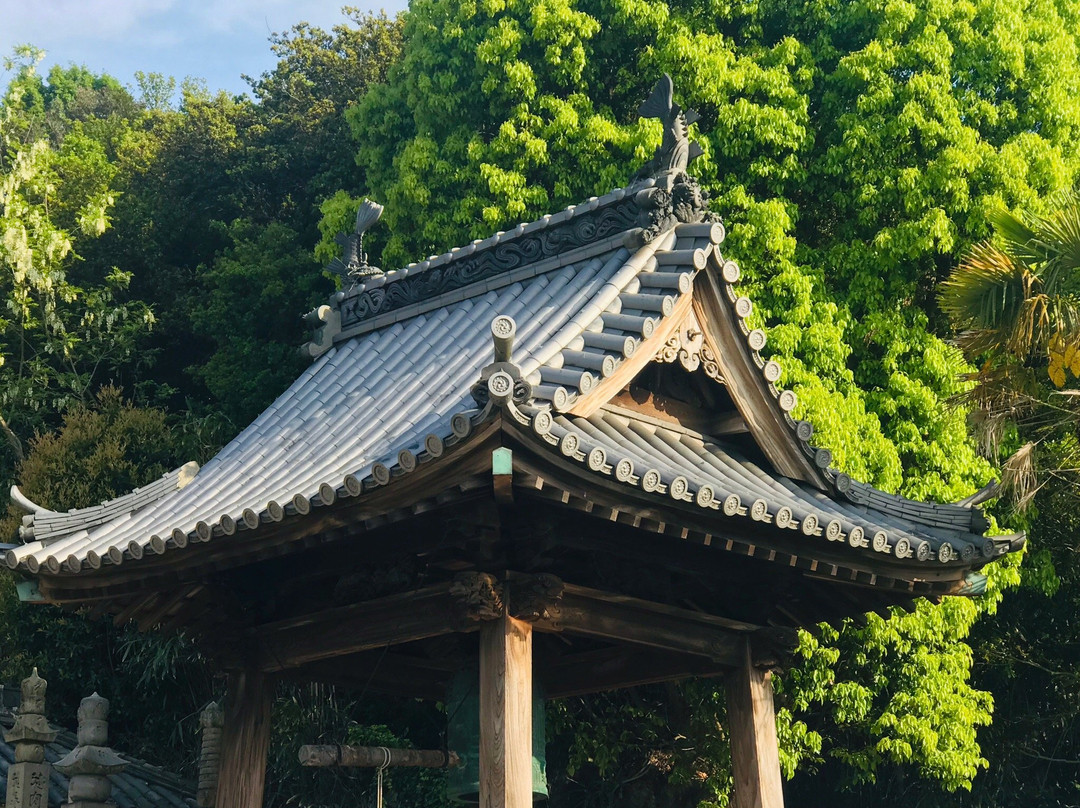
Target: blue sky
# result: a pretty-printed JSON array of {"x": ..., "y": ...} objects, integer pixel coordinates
[{"x": 215, "y": 41}]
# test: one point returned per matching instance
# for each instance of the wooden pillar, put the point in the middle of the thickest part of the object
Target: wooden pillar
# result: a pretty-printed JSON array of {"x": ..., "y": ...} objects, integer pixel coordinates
[
  {"x": 755, "y": 754},
  {"x": 245, "y": 740},
  {"x": 505, "y": 714}
]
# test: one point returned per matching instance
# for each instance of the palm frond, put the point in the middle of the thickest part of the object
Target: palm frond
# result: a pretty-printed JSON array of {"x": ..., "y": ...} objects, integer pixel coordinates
[
  {"x": 1059, "y": 240},
  {"x": 987, "y": 292},
  {"x": 1018, "y": 476},
  {"x": 1017, "y": 236}
]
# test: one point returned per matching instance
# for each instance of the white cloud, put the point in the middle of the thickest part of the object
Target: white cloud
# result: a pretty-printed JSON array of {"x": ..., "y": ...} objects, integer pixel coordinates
[
  {"x": 263, "y": 16},
  {"x": 63, "y": 20}
]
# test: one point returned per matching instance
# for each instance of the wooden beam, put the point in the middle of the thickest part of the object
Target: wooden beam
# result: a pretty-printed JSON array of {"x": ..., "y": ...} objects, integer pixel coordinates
[
  {"x": 755, "y": 754},
  {"x": 379, "y": 672},
  {"x": 440, "y": 610},
  {"x": 630, "y": 367},
  {"x": 620, "y": 619},
  {"x": 375, "y": 757},
  {"x": 618, "y": 667},
  {"x": 745, "y": 382},
  {"x": 506, "y": 714},
  {"x": 668, "y": 410},
  {"x": 245, "y": 741},
  {"x": 391, "y": 620}
]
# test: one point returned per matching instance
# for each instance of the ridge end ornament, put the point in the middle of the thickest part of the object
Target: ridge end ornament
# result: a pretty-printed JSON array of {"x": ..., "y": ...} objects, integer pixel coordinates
[
  {"x": 502, "y": 381},
  {"x": 676, "y": 150},
  {"x": 353, "y": 265},
  {"x": 674, "y": 196}
]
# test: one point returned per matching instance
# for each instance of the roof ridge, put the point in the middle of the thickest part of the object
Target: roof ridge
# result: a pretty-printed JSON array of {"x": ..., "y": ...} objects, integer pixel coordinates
[
  {"x": 362, "y": 306},
  {"x": 635, "y": 215}
]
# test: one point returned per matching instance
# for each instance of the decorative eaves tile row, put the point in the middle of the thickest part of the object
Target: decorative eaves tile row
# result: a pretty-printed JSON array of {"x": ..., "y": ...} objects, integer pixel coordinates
[
  {"x": 691, "y": 470},
  {"x": 376, "y": 406},
  {"x": 366, "y": 412}
]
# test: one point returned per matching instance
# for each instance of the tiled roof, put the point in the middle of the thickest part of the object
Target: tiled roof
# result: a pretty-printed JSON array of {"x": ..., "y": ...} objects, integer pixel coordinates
[
  {"x": 693, "y": 469},
  {"x": 140, "y": 785},
  {"x": 399, "y": 358},
  {"x": 368, "y": 409}
]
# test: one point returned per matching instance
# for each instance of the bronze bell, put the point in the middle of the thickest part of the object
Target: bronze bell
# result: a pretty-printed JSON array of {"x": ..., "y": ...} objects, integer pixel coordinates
[{"x": 463, "y": 736}]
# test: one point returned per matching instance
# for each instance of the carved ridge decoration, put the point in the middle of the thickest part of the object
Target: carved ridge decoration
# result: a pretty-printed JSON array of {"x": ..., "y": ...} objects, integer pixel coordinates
[
  {"x": 687, "y": 347},
  {"x": 579, "y": 231}
]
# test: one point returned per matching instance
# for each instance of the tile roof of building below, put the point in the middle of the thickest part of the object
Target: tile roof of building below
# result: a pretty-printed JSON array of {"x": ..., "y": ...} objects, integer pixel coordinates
[
  {"x": 383, "y": 401},
  {"x": 140, "y": 785}
]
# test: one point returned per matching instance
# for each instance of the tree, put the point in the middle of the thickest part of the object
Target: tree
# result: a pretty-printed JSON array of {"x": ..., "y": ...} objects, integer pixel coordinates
[
  {"x": 101, "y": 451},
  {"x": 1016, "y": 304},
  {"x": 1014, "y": 300},
  {"x": 219, "y": 210},
  {"x": 62, "y": 329},
  {"x": 854, "y": 149}
]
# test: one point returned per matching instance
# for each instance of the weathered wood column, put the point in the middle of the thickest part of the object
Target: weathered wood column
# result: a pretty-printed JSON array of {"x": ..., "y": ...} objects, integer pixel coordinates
[
  {"x": 245, "y": 740},
  {"x": 755, "y": 754},
  {"x": 505, "y": 714}
]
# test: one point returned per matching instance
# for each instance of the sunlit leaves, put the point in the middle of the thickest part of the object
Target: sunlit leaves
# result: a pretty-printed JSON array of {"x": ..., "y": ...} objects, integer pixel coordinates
[
  {"x": 854, "y": 150},
  {"x": 58, "y": 330}
]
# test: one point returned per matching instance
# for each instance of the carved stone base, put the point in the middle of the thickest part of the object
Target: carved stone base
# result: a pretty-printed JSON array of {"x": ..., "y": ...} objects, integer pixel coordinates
[{"x": 28, "y": 785}]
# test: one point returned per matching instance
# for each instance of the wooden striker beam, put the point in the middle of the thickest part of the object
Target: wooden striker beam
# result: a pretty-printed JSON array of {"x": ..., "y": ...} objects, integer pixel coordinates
[
  {"x": 755, "y": 754},
  {"x": 374, "y": 757},
  {"x": 245, "y": 740},
  {"x": 506, "y": 714}
]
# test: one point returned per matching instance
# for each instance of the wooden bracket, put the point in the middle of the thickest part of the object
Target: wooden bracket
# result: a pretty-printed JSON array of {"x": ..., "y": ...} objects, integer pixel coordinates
[
  {"x": 480, "y": 594},
  {"x": 771, "y": 647},
  {"x": 535, "y": 597}
]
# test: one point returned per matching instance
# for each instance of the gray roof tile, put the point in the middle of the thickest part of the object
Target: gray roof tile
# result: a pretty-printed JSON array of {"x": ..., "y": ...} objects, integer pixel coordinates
[{"x": 397, "y": 391}]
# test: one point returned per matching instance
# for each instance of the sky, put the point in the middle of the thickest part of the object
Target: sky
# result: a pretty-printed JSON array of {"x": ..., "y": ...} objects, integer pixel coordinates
[{"x": 215, "y": 40}]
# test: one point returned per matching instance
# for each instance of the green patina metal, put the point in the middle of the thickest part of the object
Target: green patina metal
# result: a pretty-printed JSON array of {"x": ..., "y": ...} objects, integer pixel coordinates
[
  {"x": 502, "y": 461},
  {"x": 28, "y": 592}
]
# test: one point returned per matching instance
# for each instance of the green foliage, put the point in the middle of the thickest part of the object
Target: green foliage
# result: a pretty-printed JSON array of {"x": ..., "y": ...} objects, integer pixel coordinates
[
  {"x": 1016, "y": 303},
  {"x": 664, "y": 745},
  {"x": 1030, "y": 658},
  {"x": 854, "y": 149},
  {"x": 98, "y": 454},
  {"x": 253, "y": 293},
  {"x": 62, "y": 327},
  {"x": 320, "y": 714},
  {"x": 219, "y": 209},
  {"x": 155, "y": 683}
]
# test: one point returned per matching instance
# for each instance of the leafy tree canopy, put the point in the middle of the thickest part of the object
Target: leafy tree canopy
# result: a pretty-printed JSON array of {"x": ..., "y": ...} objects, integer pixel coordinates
[
  {"x": 854, "y": 149},
  {"x": 62, "y": 326}
]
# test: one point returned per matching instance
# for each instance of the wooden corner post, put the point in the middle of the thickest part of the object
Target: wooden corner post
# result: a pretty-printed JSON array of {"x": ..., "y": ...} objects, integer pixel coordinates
[
  {"x": 245, "y": 740},
  {"x": 755, "y": 753},
  {"x": 505, "y": 714}
]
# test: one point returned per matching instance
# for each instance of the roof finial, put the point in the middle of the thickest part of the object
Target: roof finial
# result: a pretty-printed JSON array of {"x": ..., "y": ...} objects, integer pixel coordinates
[
  {"x": 501, "y": 382},
  {"x": 353, "y": 265},
  {"x": 676, "y": 149}
]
